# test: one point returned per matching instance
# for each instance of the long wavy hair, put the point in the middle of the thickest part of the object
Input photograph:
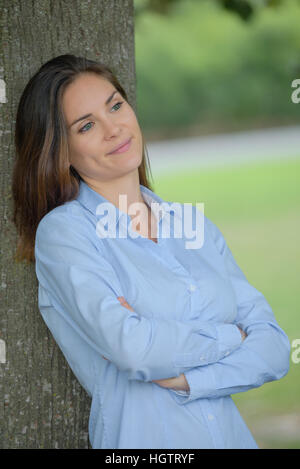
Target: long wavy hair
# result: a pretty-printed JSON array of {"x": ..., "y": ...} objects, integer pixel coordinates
[{"x": 42, "y": 176}]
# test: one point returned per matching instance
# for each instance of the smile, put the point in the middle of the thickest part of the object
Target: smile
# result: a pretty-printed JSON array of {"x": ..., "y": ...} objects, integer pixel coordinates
[{"x": 122, "y": 149}]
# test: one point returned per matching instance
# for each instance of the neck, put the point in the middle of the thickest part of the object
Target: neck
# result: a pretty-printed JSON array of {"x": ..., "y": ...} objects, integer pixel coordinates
[{"x": 128, "y": 185}]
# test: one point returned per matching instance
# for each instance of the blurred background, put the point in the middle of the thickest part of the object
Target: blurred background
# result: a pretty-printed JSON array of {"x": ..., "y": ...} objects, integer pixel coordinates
[{"x": 214, "y": 101}]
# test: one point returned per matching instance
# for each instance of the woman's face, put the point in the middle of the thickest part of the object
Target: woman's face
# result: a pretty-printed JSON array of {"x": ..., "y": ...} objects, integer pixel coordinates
[{"x": 108, "y": 125}]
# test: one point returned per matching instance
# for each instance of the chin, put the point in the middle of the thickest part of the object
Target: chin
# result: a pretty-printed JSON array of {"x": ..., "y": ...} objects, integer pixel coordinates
[{"x": 134, "y": 159}]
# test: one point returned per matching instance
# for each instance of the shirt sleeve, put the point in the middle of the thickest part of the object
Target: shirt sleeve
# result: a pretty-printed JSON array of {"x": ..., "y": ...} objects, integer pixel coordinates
[
  {"x": 264, "y": 354},
  {"x": 83, "y": 287}
]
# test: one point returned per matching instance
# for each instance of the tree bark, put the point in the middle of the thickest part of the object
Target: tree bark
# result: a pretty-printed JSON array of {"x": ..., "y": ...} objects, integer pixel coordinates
[{"x": 42, "y": 403}]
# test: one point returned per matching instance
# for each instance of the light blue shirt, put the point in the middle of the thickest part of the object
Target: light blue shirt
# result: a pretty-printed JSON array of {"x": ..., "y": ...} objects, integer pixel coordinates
[{"x": 187, "y": 304}]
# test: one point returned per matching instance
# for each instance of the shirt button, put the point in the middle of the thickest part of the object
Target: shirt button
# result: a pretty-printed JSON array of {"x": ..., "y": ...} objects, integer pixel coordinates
[
  {"x": 210, "y": 417},
  {"x": 192, "y": 287}
]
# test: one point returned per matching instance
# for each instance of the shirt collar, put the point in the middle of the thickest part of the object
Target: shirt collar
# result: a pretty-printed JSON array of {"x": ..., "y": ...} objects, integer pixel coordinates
[{"x": 90, "y": 199}]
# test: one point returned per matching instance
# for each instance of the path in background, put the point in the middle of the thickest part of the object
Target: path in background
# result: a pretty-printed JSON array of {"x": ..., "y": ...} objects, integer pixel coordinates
[{"x": 216, "y": 150}]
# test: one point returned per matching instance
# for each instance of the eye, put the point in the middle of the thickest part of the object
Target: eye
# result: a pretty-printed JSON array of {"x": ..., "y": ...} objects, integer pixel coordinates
[
  {"x": 84, "y": 127},
  {"x": 118, "y": 104}
]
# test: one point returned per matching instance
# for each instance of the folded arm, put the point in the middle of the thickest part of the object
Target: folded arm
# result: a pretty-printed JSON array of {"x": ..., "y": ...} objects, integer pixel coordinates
[
  {"x": 264, "y": 354},
  {"x": 84, "y": 288}
]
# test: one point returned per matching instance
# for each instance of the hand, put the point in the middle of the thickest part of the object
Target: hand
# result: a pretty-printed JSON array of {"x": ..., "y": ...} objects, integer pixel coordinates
[
  {"x": 244, "y": 335},
  {"x": 179, "y": 383},
  {"x": 123, "y": 303}
]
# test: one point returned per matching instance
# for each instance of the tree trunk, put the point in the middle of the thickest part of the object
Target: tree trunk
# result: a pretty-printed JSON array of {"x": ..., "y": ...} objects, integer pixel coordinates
[{"x": 42, "y": 403}]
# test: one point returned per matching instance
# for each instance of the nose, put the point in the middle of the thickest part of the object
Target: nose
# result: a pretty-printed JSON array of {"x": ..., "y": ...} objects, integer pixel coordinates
[{"x": 111, "y": 128}]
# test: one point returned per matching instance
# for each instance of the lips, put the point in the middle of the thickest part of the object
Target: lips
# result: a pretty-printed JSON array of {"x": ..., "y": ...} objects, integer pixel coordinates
[{"x": 120, "y": 147}]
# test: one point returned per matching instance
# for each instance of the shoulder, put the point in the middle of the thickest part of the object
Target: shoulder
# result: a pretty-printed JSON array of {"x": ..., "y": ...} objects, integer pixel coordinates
[
  {"x": 215, "y": 234},
  {"x": 209, "y": 225},
  {"x": 66, "y": 222},
  {"x": 193, "y": 215},
  {"x": 210, "y": 231},
  {"x": 61, "y": 215},
  {"x": 201, "y": 220}
]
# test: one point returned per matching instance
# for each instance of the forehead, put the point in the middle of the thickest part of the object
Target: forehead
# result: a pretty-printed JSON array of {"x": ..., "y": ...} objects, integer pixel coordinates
[{"x": 88, "y": 90}]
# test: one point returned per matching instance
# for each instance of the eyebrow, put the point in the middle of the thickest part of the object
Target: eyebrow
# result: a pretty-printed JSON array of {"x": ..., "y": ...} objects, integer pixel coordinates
[{"x": 90, "y": 114}]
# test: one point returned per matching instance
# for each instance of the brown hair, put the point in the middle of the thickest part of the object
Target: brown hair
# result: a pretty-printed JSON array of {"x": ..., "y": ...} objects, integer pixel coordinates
[{"x": 42, "y": 175}]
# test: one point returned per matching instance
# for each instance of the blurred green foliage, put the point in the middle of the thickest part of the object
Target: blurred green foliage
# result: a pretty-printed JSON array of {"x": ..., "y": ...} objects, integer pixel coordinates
[
  {"x": 201, "y": 64},
  {"x": 244, "y": 8}
]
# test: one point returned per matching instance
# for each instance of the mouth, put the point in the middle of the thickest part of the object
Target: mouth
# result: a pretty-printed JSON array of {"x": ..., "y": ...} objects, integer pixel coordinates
[{"x": 122, "y": 149}]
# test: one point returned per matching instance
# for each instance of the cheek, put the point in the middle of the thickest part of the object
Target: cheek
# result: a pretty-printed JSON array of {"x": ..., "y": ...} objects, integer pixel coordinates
[
  {"x": 83, "y": 148},
  {"x": 132, "y": 120},
  {"x": 79, "y": 157}
]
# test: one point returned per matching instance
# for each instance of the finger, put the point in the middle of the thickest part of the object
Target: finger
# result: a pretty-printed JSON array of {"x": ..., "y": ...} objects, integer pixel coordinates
[{"x": 124, "y": 303}]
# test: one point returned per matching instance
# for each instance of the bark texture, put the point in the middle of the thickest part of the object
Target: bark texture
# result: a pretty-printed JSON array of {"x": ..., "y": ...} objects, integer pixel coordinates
[{"x": 42, "y": 405}]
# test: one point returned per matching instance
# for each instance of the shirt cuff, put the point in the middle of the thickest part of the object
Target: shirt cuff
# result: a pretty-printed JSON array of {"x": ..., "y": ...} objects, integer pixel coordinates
[
  {"x": 182, "y": 393},
  {"x": 201, "y": 381}
]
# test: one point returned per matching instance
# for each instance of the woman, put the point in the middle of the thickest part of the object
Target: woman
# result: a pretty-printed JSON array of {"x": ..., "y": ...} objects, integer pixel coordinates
[{"x": 159, "y": 335}]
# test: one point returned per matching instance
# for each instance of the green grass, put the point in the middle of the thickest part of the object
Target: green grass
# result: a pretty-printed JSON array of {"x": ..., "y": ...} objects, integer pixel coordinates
[
  {"x": 237, "y": 193},
  {"x": 275, "y": 444},
  {"x": 257, "y": 208}
]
